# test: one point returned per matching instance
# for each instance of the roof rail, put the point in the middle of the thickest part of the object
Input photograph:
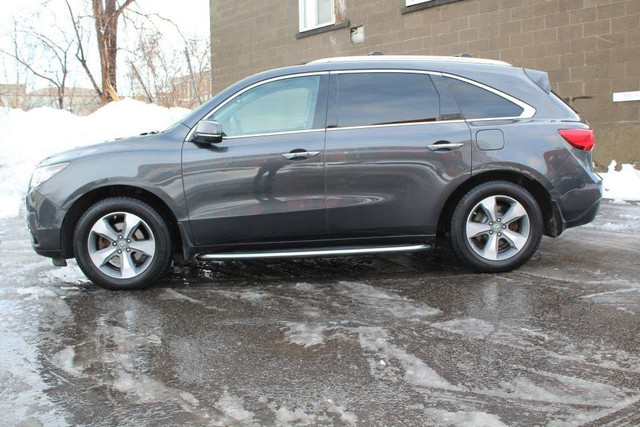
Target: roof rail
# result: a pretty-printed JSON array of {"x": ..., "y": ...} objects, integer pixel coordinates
[{"x": 377, "y": 57}]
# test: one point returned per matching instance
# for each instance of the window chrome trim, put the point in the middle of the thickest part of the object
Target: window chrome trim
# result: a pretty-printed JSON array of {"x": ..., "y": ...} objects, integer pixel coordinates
[
  {"x": 385, "y": 70},
  {"x": 287, "y": 132},
  {"x": 386, "y": 125},
  {"x": 251, "y": 86}
]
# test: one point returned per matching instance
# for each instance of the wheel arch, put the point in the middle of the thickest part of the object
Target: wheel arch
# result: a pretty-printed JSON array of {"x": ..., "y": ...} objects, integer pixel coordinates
[
  {"x": 79, "y": 206},
  {"x": 552, "y": 222}
]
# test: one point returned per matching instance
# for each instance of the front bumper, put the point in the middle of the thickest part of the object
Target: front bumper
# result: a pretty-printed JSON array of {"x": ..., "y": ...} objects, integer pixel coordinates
[{"x": 42, "y": 221}]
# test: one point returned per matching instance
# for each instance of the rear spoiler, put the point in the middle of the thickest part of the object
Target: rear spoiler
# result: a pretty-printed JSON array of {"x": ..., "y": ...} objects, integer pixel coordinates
[{"x": 540, "y": 78}]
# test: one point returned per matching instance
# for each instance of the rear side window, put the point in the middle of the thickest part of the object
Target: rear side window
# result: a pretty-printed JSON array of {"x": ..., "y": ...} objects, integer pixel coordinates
[
  {"x": 478, "y": 103},
  {"x": 385, "y": 98}
]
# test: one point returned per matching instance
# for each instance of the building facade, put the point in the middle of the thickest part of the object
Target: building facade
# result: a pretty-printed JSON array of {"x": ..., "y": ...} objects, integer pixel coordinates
[
  {"x": 76, "y": 100},
  {"x": 590, "y": 48}
]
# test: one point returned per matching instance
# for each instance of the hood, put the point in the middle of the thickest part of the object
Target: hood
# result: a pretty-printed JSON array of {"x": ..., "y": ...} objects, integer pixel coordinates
[
  {"x": 145, "y": 141},
  {"x": 92, "y": 150}
]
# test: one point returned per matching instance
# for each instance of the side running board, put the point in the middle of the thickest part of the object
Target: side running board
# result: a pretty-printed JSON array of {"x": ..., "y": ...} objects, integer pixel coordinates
[{"x": 319, "y": 252}]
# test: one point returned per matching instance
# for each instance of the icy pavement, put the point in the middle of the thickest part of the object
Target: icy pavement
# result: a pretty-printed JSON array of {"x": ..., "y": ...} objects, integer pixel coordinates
[{"x": 393, "y": 340}]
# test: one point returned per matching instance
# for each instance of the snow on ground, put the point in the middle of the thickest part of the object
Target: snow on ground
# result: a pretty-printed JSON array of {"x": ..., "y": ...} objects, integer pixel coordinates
[
  {"x": 26, "y": 137},
  {"x": 622, "y": 185}
]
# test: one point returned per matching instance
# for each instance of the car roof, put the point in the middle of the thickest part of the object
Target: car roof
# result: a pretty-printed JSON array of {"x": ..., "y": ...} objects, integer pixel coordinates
[{"x": 412, "y": 58}]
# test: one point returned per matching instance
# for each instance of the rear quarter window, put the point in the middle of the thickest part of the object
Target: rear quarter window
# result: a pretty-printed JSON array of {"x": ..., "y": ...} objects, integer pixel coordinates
[{"x": 478, "y": 103}]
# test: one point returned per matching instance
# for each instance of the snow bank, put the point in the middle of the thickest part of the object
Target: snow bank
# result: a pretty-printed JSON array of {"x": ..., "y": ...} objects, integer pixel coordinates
[
  {"x": 26, "y": 137},
  {"x": 623, "y": 184}
]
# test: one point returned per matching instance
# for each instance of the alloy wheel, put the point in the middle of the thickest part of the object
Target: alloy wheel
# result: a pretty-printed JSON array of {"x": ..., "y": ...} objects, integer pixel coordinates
[
  {"x": 498, "y": 228},
  {"x": 121, "y": 245}
]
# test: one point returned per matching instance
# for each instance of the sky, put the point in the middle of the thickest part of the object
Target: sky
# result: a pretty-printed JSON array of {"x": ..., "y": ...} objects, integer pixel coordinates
[{"x": 191, "y": 16}]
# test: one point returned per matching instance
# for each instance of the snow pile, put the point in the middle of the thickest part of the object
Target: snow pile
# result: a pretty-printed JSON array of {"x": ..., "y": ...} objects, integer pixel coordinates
[
  {"x": 623, "y": 184},
  {"x": 26, "y": 137}
]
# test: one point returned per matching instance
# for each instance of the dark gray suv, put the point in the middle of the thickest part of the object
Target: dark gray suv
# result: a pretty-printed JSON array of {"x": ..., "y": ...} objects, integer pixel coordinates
[{"x": 339, "y": 156}]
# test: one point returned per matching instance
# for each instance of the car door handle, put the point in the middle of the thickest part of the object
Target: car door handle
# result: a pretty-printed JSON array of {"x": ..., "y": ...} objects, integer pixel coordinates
[
  {"x": 445, "y": 146},
  {"x": 300, "y": 155}
]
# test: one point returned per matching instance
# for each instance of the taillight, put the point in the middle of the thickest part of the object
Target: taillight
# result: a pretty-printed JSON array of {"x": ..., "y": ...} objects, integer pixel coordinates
[{"x": 582, "y": 139}]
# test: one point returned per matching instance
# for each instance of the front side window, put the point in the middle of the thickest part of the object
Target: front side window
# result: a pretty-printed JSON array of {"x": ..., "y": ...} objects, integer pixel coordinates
[
  {"x": 478, "y": 103},
  {"x": 316, "y": 13},
  {"x": 412, "y": 2},
  {"x": 366, "y": 99},
  {"x": 279, "y": 106}
]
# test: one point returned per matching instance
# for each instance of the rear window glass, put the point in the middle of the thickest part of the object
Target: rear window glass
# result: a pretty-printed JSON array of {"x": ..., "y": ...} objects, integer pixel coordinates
[
  {"x": 386, "y": 98},
  {"x": 478, "y": 103}
]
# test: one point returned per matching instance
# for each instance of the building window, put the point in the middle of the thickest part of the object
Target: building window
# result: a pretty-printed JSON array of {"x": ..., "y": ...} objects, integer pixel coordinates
[
  {"x": 414, "y": 5},
  {"x": 316, "y": 14},
  {"x": 414, "y": 2}
]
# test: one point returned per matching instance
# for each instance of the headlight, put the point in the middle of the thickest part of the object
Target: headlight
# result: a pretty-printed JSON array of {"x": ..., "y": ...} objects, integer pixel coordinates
[{"x": 45, "y": 173}]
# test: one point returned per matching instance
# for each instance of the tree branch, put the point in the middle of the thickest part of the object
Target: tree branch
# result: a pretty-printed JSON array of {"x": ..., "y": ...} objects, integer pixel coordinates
[
  {"x": 30, "y": 68},
  {"x": 123, "y": 7},
  {"x": 80, "y": 52}
]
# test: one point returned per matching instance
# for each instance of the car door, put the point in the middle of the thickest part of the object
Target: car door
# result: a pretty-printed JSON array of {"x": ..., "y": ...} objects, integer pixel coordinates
[
  {"x": 395, "y": 149},
  {"x": 264, "y": 181}
]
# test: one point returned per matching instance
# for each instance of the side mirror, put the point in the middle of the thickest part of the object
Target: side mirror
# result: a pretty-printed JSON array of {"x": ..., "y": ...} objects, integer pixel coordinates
[{"x": 207, "y": 132}]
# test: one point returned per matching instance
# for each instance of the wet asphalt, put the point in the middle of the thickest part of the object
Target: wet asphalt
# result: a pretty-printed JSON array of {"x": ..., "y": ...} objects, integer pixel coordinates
[{"x": 412, "y": 339}]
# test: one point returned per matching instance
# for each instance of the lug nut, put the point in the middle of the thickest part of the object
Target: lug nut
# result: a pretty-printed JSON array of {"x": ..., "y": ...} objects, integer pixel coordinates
[
  {"x": 498, "y": 219},
  {"x": 504, "y": 226},
  {"x": 490, "y": 222},
  {"x": 119, "y": 251},
  {"x": 114, "y": 243},
  {"x": 128, "y": 240},
  {"x": 128, "y": 250},
  {"x": 499, "y": 234},
  {"x": 491, "y": 232},
  {"x": 119, "y": 237}
]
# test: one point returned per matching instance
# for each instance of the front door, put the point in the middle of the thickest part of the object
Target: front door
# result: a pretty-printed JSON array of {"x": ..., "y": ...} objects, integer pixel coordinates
[
  {"x": 395, "y": 147},
  {"x": 264, "y": 182}
]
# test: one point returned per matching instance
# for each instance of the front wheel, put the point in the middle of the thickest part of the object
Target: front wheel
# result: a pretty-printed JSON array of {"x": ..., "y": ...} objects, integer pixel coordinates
[
  {"x": 497, "y": 226},
  {"x": 122, "y": 243}
]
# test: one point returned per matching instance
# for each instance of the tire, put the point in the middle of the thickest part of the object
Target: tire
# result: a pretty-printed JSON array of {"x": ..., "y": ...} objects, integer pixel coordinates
[
  {"x": 122, "y": 243},
  {"x": 500, "y": 241}
]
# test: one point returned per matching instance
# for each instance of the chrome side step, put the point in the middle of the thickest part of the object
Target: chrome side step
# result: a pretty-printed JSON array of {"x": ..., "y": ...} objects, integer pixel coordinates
[{"x": 320, "y": 252}]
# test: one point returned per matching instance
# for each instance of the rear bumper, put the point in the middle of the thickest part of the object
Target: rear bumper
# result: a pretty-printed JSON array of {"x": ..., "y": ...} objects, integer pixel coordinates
[
  {"x": 579, "y": 206},
  {"x": 41, "y": 217}
]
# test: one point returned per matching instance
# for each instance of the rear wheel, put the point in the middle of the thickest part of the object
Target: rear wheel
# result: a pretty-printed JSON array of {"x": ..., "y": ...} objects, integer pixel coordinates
[
  {"x": 497, "y": 226},
  {"x": 122, "y": 243}
]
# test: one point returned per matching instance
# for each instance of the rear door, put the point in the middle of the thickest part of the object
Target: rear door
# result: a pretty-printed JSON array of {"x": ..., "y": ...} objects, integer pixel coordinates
[
  {"x": 264, "y": 182},
  {"x": 393, "y": 150}
]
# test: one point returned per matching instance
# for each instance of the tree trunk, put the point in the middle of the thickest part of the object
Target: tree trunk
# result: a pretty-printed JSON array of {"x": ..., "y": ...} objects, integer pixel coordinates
[{"x": 106, "y": 16}]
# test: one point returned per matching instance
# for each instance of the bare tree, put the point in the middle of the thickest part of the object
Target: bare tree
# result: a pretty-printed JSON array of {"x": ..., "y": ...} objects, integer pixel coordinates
[
  {"x": 80, "y": 52},
  {"x": 106, "y": 16},
  {"x": 29, "y": 42},
  {"x": 168, "y": 76}
]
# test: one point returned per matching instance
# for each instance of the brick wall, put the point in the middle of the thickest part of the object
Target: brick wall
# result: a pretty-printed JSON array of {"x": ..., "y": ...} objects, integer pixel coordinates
[{"x": 590, "y": 48}]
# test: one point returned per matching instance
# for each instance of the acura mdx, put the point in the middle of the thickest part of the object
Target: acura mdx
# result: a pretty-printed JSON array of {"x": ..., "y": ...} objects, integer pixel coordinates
[{"x": 352, "y": 155}]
